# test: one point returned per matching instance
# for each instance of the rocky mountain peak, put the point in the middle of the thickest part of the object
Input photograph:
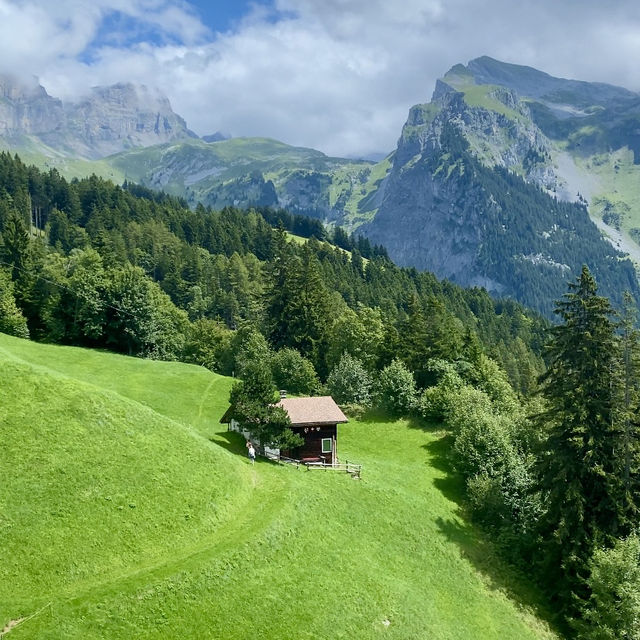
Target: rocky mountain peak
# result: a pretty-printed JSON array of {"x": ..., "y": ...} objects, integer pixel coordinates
[
  {"x": 14, "y": 88},
  {"x": 26, "y": 108},
  {"x": 532, "y": 83},
  {"x": 130, "y": 96},
  {"x": 108, "y": 120}
]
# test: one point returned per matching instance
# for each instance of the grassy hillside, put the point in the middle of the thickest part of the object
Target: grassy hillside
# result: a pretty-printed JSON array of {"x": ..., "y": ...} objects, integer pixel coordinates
[
  {"x": 126, "y": 511},
  {"x": 245, "y": 171},
  {"x": 34, "y": 152}
]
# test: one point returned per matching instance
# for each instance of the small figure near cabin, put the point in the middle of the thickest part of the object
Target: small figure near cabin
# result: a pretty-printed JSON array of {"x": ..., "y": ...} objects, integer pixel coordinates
[{"x": 252, "y": 453}]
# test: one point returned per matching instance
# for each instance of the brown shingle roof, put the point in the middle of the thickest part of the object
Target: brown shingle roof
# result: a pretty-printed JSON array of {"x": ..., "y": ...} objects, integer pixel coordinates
[{"x": 320, "y": 410}]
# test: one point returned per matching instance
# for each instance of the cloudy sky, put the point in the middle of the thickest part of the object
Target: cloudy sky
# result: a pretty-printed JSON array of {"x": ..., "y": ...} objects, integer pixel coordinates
[{"x": 336, "y": 75}]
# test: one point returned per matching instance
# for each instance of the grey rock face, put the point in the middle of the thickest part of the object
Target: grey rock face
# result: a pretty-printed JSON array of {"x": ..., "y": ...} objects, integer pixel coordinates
[
  {"x": 26, "y": 108},
  {"x": 459, "y": 199},
  {"x": 109, "y": 120},
  {"x": 420, "y": 225},
  {"x": 427, "y": 218}
]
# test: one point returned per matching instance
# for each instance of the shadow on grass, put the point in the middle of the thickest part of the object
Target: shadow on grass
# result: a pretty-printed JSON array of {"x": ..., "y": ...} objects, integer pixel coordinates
[
  {"x": 496, "y": 573},
  {"x": 231, "y": 441},
  {"x": 379, "y": 415},
  {"x": 474, "y": 543},
  {"x": 235, "y": 443},
  {"x": 451, "y": 485}
]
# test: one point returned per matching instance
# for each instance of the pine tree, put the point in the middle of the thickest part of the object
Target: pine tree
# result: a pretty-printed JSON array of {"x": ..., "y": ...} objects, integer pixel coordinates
[
  {"x": 413, "y": 333},
  {"x": 581, "y": 463},
  {"x": 630, "y": 339},
  {"x": 252, "y": 400},
  {"x": 278, "y": 276},
  {"x": 297, "y": 305}
]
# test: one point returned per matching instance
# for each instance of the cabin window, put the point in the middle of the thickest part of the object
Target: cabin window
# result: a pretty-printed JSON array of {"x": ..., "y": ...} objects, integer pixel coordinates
[{"x": 326, "y": 445}]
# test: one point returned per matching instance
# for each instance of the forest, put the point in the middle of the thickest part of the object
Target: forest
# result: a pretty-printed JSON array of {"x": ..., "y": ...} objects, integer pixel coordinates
[{"x": 542, "y": 418}]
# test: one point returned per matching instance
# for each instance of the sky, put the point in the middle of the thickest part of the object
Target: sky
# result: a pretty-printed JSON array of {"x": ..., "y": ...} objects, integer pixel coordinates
[{"x": 335, "y": 75}]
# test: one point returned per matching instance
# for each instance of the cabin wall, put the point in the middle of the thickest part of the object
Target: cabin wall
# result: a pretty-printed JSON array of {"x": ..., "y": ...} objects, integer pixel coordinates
[{"x": 312, "y": 447}]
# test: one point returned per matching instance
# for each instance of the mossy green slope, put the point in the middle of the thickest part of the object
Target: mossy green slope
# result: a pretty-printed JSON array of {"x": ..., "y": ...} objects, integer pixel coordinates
[{"x": 265, "y": 552}]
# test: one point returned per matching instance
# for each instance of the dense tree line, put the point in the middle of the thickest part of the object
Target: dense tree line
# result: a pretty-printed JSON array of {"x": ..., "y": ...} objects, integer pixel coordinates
[
  {"x": 71, "y": 250},
  {"x": 555, "y": 477},
  {"x": 312, "y": 227}
]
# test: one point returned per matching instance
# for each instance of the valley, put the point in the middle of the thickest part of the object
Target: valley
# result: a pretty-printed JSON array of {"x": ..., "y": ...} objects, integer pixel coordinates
[
  {"x": 565, "y": 137},
  {"x": 467, "y": 299}
]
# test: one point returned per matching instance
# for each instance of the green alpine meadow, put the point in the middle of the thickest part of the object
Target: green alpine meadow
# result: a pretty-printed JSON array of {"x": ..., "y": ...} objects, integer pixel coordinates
[{"x": 129, "y": 511}]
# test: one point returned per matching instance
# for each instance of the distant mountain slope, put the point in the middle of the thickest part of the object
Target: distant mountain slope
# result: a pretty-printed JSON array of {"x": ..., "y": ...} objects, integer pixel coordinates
[
  {"x": 152, "y": 145},
  {"x": 255, "y": 171},
  {"x": 576, "y": 141},
  {"x": 126, "y": 511}
]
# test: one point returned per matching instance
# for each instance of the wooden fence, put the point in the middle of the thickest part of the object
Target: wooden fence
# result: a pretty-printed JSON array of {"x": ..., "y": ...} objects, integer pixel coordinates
[{"x": 355, "y": 470}]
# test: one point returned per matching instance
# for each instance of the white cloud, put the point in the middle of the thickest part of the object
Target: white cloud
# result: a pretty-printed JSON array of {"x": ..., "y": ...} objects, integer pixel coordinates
[{"x": 338, "y": 75}]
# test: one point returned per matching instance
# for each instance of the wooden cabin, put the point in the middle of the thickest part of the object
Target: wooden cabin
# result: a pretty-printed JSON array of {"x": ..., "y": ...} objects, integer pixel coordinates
[{"x": 316, "y": 419}]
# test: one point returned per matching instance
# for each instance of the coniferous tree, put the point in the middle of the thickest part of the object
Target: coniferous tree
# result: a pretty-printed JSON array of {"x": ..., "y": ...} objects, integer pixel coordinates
[
  {"x": 12, "y": 321},
  {"x": 15, "y": 244},
  {"x": 580, "y": 466},
  {"x": 278, "y": 275},
  {"x": 253, "y": 405},
  {"x": 413, "y": 333},
  {"x": 630, "y": 421}
]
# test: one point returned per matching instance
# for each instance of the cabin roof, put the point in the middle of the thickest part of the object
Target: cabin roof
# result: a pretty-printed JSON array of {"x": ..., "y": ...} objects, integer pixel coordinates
[
  {"x": 316, "y": 410},
  {"x": 304, "y": 411},
  {"x": 227, "y": 416}
]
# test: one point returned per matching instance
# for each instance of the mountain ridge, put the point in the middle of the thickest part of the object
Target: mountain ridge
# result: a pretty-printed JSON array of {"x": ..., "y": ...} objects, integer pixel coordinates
[
  {"x": 103, "y": 122},
  {"x": 576, "y": 141}
]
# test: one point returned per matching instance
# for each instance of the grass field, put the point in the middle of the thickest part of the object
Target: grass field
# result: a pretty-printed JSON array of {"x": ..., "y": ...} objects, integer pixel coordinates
[{"x": 127, "y": 511}]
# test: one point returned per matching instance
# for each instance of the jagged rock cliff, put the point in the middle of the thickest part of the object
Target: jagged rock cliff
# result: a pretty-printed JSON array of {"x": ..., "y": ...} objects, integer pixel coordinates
[
  {"x": 428, "y": 219},
  {"x": 490, "y": 183},
  {"x": 26, "y": 108},
  {"x": 108, "y": 120}
]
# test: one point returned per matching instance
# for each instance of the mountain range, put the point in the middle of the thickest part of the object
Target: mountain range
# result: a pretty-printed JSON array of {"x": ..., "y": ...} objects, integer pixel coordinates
[{"x": 508, "y": 178}]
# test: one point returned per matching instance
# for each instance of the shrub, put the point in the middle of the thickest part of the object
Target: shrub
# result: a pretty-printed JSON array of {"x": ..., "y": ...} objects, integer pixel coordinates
[
  {"x": 293, "y": 372},
  {"x": 12, "y": 321},
  {"x": 396, "y": 389},
  {"x": 248, "y": 346},
  {"x": 469, "y": 405},
  {"x": 495, "y": 383},
  {"x": 613, "y": 611},
  {"x": 349, "y": 382},
  {"x": 482, "y": 445},
  {"x": 435, "y": 403}
]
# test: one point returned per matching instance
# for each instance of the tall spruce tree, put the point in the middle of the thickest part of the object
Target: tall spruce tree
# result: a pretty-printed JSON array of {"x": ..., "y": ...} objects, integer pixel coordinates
[
  {"x": 253, "y": 404},
  {"x": 297, "y": 303},
  {"x": 630, "y": 419},
  {"x": 278, "y": 274},
  {"x": 581, "y": 466}
]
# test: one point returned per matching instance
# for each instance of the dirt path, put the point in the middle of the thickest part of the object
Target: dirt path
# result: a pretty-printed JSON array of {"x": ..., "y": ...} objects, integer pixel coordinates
[{"x": 10, "y": 625}]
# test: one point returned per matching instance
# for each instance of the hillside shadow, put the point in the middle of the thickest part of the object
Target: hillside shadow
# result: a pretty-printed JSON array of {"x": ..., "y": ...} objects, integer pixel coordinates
[
  {"x": 235, "y": 443},
  {"x": 377, "y": 415},
  {"x": 475, "y": 544},
  {"x": 230, "y": 440},
  {"x": 451, "y": 484},
  {"x": 496, "y": 573}
]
